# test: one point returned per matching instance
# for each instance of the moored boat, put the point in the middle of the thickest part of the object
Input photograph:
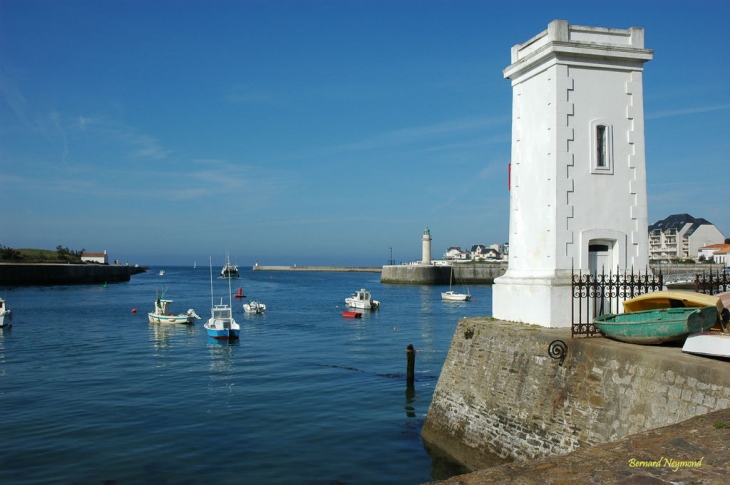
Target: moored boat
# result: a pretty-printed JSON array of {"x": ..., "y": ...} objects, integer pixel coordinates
[
  {"x": 254, "y": 306},
  {"x": 5, "y": 315},
  {"x": 362, "y": 299},
  {"x": 221, "y": 325},
  {"x": 452, "y": 295},
  {"x": 652, "y": 327},
  {"x": 229, "y": 270},
  {"x": 352, "y": 314},
  {"x": 162, "y": 314}
]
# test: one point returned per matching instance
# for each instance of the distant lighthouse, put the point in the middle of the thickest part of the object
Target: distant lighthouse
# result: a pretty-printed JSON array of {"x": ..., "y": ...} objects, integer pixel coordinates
[{"x": 426, "y": 247}]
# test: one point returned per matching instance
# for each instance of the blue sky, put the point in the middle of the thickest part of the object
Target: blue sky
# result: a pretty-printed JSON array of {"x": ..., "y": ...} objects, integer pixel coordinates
[{"x": 313, "y": 132}]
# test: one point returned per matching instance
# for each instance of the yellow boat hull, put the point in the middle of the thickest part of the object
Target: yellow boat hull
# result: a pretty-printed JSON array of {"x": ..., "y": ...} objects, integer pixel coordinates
[{"x": 672, "y": 299}]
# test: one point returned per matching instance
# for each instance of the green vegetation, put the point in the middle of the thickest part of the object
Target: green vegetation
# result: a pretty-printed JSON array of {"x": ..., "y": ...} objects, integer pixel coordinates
[{"x": 60, "y": 255}]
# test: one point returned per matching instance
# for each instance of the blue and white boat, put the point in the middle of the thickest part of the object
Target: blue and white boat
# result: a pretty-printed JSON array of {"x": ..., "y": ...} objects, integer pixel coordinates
[{"x": 221, "y": 325}]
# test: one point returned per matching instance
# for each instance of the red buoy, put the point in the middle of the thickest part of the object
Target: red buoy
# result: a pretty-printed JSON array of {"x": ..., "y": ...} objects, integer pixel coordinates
[{"x": 134, "y": 310}]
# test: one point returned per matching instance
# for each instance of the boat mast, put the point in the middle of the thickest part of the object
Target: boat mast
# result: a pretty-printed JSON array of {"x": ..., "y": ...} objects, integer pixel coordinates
[{"x": 210, "y": 261}]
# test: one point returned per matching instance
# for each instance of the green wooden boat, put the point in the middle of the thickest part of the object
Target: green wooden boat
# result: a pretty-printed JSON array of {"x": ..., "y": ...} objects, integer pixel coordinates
[{"x": 652, "y": 327}]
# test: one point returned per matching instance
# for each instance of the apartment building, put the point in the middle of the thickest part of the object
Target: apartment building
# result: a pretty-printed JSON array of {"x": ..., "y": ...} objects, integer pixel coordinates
[{"x": 680, "y": 236}]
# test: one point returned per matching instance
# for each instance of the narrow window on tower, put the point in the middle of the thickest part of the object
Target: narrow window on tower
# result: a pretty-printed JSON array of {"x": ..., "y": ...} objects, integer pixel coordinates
[{"x": 601, "y": 147}]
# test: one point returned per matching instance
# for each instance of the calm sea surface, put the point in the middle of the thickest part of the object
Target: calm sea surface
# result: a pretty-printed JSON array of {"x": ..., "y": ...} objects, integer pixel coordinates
[{"x": 91, "y": 392}]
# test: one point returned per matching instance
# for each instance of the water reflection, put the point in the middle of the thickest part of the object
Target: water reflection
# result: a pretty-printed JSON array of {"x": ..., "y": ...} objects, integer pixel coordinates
[
  {"x": 411, "y": 398},
  {"x": 221, "y": 372},
  {"x": 162, "y": 333}
]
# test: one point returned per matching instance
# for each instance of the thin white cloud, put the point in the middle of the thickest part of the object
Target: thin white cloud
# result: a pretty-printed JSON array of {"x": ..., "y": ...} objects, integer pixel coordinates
[
  {"x": 686, "y": 111},
  {"x": 425, "y": 134},
  {"x": 56, "y": 120},
  {"x": 15, "y": 99}
]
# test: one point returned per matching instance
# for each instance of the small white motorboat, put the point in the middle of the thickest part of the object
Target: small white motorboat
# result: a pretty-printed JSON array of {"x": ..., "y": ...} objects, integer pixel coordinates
[
  {"x": 254, "y": 306},
  {"x": 362, "y": 299},
  {"x": 5, "y": 315},
  {"x": 162, "y": 272}
]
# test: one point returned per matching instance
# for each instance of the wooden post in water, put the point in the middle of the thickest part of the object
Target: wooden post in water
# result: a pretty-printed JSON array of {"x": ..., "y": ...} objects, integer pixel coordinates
[{"x": 410, "y": 370}]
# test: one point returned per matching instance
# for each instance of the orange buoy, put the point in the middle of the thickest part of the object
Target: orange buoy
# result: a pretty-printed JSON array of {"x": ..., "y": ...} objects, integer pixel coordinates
[{"x": 134, "y": 310}]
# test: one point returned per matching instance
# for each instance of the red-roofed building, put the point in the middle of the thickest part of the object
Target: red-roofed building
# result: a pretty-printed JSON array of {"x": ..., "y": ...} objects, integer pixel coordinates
[{"x": 722, "y": 256}]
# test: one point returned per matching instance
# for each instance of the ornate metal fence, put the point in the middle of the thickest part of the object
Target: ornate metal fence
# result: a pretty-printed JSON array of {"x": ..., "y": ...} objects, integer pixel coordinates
[
  {"x": 598, "y": 294},
  {"x": 712, "y": 283}
]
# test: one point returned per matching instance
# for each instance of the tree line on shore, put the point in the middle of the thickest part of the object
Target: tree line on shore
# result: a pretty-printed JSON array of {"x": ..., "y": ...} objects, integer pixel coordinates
[{"x": 62, "y": 254}]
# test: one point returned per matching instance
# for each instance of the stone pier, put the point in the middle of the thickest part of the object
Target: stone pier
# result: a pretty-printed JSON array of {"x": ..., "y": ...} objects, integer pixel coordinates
[{"x": 500, "y": 393}]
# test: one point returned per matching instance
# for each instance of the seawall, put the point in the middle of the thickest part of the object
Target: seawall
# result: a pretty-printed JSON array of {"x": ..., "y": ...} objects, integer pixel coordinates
[
  {"x": 500, "y": 393},
  {"x": 439, "y": 275},
  {"x": 327, "y": 269},
  {"x": 65, "y": 274}
]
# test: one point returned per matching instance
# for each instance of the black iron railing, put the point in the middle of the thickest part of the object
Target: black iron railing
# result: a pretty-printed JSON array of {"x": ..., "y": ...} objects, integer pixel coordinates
[
  {"x": 595, "y": 294},
  {"x": 713, "y": 282}
]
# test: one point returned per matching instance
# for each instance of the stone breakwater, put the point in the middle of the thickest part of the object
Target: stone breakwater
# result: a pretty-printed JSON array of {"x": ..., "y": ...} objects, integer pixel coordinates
[
  {"x": 325, "y": 269},
  {"x": 65, "y": 274},
  {"x": 500, "y": 393},
  {"x": 466, "y": 273}
]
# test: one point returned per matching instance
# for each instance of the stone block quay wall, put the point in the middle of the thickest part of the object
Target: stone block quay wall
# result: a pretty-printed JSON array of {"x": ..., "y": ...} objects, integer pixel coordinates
[
  {"x": 326, "y": 269},
  {"x": 439, "y": 275},
  {"x": 65, "y": 274},
  {"x": 501, "y": 394}
]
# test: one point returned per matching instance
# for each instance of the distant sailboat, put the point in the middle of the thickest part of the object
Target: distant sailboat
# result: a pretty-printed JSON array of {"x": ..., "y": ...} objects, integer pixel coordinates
[
  {"x": 452, "y": 295},
  {"x": 195, "y": 264}
]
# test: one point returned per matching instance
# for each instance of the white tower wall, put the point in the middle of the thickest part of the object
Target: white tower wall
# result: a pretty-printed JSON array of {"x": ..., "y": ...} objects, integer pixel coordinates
[{"x": 573, "y": 206}]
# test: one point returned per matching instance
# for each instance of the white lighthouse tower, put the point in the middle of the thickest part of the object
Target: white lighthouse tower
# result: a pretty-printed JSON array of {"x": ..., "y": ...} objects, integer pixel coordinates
[
  {"x": 578, "y": 176},
  {"x": 426, "y": 246}
]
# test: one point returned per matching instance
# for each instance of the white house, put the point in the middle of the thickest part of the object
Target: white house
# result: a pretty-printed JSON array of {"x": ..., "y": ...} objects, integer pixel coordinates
[
  {"x": 577, "y": 176},
  {"x": 707, "y": 253},
  {"x": 455, "y": 252},
  {"x": 722, "y": 257},
  {"x": 88, "y": 257}
]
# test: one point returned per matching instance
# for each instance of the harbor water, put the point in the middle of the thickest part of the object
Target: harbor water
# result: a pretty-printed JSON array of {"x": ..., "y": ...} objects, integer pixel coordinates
[{"x": 93, "y": 393}]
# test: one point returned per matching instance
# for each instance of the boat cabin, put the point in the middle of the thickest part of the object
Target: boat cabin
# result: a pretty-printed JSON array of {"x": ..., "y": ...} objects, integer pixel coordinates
[
  {"x": 221, "y": 312},
  {"x": 162, "y": 307},
  {"x": 362, "y": 295}
]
